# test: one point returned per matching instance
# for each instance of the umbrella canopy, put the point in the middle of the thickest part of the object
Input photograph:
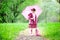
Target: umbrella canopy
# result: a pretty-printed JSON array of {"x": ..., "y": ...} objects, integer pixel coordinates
[{"x": 27, "y": 10}]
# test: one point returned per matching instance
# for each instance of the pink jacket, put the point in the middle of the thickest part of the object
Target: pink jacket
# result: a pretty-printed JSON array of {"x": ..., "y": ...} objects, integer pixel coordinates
[{"x": 32, "y": 22}]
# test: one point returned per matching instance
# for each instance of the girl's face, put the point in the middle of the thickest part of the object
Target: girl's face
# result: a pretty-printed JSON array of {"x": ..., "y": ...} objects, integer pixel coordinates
[{"x": 33, "y": 12}]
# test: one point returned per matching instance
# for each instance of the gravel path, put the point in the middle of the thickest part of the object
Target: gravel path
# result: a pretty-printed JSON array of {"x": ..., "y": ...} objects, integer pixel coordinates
[{"x": 24, "y": 37}]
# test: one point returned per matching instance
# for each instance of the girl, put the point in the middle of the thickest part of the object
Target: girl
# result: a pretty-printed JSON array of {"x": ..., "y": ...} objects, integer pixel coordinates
[{"x": 33, "y": 22}]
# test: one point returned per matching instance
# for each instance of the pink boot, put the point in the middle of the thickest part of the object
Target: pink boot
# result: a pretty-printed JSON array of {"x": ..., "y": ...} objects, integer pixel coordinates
[{"x": 37, "y": 33}]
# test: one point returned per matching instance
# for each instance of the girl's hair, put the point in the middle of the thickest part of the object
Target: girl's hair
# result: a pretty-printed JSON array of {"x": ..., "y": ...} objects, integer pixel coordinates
[{"x": 33, "y": 9}]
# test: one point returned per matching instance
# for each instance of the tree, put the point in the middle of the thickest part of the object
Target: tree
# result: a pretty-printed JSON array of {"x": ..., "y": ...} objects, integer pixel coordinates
[{"x": 8, "y": 10}]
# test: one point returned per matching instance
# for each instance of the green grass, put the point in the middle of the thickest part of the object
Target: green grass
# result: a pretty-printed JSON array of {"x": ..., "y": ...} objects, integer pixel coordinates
[
  {"x": 8, "y": 31},
  {"x": 51, "y": 30}
]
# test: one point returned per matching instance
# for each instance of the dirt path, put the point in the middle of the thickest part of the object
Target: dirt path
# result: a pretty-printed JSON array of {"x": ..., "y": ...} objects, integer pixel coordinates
[
  {"x": 26, "y": 31},
  {"x": 24, "y": 35}
]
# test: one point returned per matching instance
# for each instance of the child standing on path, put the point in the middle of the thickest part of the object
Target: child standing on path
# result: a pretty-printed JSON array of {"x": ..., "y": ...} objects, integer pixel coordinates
[{"x": 33, "y": 23}]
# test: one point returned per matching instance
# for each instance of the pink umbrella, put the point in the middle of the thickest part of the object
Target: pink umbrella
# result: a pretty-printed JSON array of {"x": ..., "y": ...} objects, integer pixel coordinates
[{"x": 27, "y": 10}]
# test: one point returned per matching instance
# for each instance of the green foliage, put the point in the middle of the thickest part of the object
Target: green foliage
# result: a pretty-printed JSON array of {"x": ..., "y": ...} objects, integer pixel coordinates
[
  {"x": 10, "y": 31},
  {"x": 10, "y": 10},
  {"x": 50, "y": 10},
  {"x": 51, "y": 30}
]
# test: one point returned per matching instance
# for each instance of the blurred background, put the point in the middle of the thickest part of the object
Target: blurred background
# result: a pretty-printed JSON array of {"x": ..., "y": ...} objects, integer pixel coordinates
[
  {"x": 10, "y": 10},
  {"x": 12, "y": 21}
]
